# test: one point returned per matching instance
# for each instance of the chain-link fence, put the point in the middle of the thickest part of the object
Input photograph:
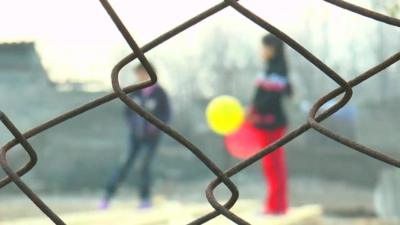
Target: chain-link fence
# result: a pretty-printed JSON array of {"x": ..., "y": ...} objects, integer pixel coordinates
[{"x": 222, "y": 177}]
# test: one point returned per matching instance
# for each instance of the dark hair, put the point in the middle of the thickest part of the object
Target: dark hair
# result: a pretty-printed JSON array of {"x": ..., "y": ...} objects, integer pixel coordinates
[{"x": 278, "y": 63}]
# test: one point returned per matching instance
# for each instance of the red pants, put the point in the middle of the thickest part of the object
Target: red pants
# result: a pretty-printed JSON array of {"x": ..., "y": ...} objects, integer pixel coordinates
[{"x": 275, "y": 173}]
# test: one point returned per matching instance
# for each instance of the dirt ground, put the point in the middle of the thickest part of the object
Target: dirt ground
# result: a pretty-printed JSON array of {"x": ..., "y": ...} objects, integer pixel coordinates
[
  {"x": 18, "y": 207},
  {"x": 342, "y": 204}
]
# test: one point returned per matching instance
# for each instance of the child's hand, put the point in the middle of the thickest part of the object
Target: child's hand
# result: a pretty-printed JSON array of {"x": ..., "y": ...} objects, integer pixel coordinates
[
  {"x": 252, "y": 118},
  {"x": 152, "y": 130}
]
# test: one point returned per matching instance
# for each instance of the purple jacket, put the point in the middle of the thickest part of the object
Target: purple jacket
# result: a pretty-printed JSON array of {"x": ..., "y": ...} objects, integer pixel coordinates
[{"x": 154, "y": 100}]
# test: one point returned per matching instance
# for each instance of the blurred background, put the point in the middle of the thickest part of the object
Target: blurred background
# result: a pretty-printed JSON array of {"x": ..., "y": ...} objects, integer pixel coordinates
[{"x": 57, "y": 55}]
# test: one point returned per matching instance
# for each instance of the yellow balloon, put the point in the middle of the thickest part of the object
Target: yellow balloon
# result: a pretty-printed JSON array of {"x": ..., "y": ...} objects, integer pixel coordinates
[{"x": 225, "y": 114}]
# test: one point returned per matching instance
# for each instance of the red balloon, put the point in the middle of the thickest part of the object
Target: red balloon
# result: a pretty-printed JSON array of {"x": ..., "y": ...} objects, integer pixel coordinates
[{"x": 245, "y": 142}]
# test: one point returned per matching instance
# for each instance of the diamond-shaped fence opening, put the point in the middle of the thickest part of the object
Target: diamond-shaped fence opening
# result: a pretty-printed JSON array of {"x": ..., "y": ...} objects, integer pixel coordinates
[{"x": 344, "y": 89}]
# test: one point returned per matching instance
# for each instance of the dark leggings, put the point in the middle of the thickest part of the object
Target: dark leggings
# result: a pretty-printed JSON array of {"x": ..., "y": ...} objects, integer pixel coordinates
[{"x": 148, "y": 148}]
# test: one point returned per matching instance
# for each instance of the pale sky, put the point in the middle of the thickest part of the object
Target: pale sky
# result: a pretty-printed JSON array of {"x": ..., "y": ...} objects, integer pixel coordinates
[{"x": 77, "y": 40}]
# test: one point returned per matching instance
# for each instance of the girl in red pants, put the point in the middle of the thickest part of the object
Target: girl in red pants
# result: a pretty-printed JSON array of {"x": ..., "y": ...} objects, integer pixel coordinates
[{"x": 268, "y": 115}]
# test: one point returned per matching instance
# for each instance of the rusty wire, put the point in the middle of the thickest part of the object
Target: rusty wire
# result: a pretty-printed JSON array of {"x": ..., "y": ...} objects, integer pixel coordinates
[{"x": 313, "y": 121}]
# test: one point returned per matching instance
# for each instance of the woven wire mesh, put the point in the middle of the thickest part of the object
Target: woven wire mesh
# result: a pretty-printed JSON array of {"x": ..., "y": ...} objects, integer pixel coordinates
[{"x": 344, "y": 90}]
